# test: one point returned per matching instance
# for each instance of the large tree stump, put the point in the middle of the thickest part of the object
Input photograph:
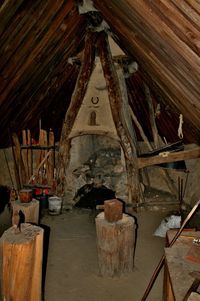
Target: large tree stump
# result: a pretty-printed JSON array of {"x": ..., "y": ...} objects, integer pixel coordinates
[
  {"x": 30, "y": 211},
  {"x": 115, "y": 245},
  {"x": 21, "y": 258}
]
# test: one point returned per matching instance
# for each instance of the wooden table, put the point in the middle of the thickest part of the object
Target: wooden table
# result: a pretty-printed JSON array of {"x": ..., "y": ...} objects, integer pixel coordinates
[{"x": 177, "y": 280}]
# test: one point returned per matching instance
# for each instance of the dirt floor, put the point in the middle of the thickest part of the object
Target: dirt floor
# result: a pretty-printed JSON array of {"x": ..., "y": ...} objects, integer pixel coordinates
[{"x": 72, "y": 269}]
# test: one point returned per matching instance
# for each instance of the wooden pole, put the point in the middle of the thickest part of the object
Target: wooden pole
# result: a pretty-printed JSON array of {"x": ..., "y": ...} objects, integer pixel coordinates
[
  {"x": 116, "y": 103},
  {"x": 76, "y": 101},
  {"x": 24, "y": 153},
  {"x": 19, "y": 161},
  {"x": 22, "y": 254},
  {"x": 138, "y": 125},
  {"x": 51, "y": 159},
  {"x": 164, "y": 172},
  {"x": 29, "y": 154}
]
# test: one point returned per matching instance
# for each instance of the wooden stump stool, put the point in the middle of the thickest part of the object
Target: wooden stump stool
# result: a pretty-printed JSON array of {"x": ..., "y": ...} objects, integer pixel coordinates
[
  {"x": 21, "y": 257},
  {"x": 30, "y": 211},
  {"x": 115, "y": 245}
]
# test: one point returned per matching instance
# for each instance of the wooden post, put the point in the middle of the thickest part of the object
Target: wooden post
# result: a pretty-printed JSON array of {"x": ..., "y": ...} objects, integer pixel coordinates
[
  {"x": 164, "y": 172},
  {"x": 19, "y": 161},
  {"x": 22, "y": 254},
  {"x": 51, "y": 160},
  {"x": 77, "y": 98},
  {"x": 29, "y": 155},
  {"x": 24, "y": 153},
  {"x": 30, "y": 210},
  {"x": 116, "y": 104},
  {"x": 115, "y": 245}
]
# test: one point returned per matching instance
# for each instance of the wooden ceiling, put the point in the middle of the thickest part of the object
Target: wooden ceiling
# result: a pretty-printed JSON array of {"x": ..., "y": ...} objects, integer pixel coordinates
[{"x": 39, "y": 38}]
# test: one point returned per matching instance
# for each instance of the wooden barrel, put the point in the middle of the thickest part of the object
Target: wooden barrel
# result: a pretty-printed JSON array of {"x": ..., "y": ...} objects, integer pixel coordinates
[{"x": 115, "y": 245}]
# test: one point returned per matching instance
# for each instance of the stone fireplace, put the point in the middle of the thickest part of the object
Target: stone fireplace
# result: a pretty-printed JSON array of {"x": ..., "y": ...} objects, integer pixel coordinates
[
  {"x": 97, "y": 140},
  {"x": 96, "y": 159},
  {"x": 95, "y": 155}
]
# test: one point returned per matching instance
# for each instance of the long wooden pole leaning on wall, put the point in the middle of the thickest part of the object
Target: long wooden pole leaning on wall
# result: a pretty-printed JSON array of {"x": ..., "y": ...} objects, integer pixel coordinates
[
  {"x": 163, "y": 172},
  {"x": 76, "y": 101},
  {"x": 19, "y": 160},
  {"x": 116, "y": 100}
]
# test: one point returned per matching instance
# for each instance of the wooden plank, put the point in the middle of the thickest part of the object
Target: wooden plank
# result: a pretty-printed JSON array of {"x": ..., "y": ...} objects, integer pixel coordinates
[
  {"x": 51, "y": 159},
  {"x": 24, "y": 153},
  {"x": 169, "y": 157},
  {"x": 44, "y": 37},
  {"x": 29, "y": 154},
  {"x": 19, "y": 160},
  {"x": 7, "y": 10}
]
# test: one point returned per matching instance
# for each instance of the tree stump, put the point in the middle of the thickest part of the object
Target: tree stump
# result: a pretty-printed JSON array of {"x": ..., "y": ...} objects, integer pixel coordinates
[
  {"x": 21, "y": 259},
  {"x": 115, "y": 245},
  {"x": 30, "y": 211}
]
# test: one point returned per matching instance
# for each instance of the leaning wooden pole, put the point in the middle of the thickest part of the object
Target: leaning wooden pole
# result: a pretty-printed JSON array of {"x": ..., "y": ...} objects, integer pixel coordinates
[
  {"x": 21, "y": 257},
  {"x": 76, "y": 101},
  {"x": 164, "y": 172},
  {"x": 116, "y": 103}
]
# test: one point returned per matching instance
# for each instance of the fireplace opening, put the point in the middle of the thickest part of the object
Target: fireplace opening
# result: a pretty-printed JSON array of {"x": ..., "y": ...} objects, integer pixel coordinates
[{"x": 91, "y": 195}]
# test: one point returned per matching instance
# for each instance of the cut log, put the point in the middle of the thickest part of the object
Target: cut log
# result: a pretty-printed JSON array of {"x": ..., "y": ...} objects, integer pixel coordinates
[
  {"x": 30, "y": 210},
  {"x": 115, "y": 245},
  {"x": 21, "y": 255}
]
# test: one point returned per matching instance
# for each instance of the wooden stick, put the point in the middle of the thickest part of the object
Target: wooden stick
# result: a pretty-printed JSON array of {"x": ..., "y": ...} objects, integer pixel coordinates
[
  {"x": 29, "y": 154},
  {"x": 39, "y": 166},
  {"x": 19, "y": 161},
  {"x": 138, "y": 125},
  {"x": 51, "y": 161},
  {"x": 25, "y": 153}
]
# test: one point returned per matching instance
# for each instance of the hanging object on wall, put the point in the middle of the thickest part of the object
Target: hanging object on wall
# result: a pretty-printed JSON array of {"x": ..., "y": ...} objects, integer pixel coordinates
[
  {"x": 180, "y": 130},
  {"x": 95, "y": 100}
]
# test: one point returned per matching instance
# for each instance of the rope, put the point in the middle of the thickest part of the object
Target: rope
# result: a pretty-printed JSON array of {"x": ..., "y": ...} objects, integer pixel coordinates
[{"x": 180, "y": 131}]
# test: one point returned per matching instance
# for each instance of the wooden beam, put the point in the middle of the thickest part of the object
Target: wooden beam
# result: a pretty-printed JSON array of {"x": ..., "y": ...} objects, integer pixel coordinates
[
  {"x": 165, "y": 157},
  {"x": 76, "y": 101},
  {"x": 116, "y": 104}
]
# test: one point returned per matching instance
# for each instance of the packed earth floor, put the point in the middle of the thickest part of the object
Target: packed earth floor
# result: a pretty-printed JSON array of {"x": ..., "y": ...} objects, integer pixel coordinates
[{"x": 72, "y": 268}]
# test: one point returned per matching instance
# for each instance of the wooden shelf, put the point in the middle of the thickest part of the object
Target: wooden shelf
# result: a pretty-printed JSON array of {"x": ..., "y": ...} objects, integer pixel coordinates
[{"x": 42, "y": 147}]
